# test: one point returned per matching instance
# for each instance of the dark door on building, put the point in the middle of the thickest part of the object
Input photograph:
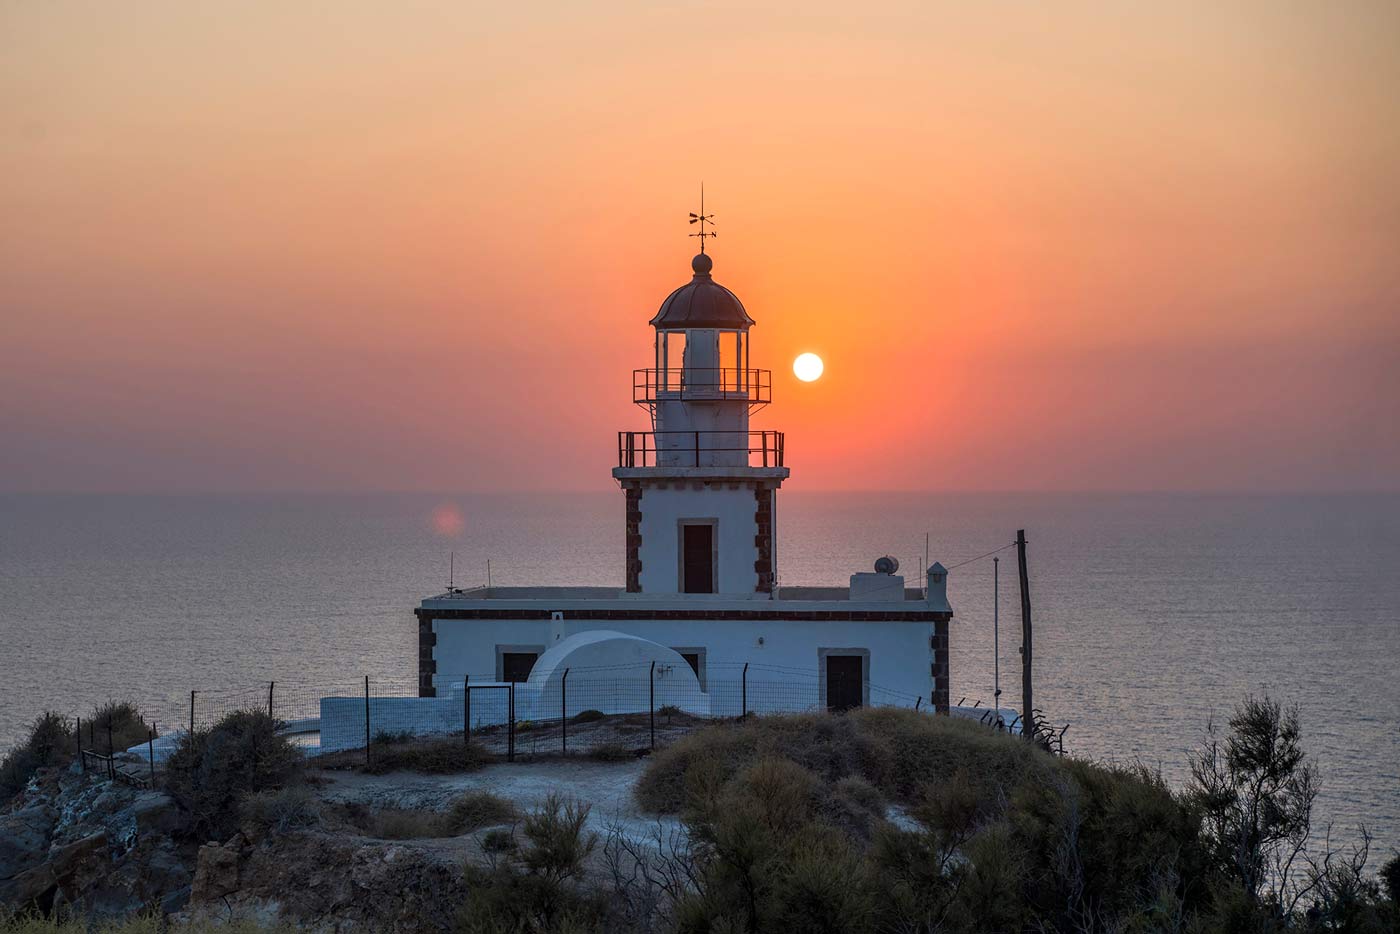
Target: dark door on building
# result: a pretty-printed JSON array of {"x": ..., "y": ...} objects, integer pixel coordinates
[
  {"x": 843, "y": 682},
  {"x": 515, "y": 666},
  {"x": 698, "y": 558}
]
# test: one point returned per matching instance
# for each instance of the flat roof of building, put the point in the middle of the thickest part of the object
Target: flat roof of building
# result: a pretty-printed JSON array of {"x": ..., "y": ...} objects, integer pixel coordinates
[{"x": 787, "y": 600}]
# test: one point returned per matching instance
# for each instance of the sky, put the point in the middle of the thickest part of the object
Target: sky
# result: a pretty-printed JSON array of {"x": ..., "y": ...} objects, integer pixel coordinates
[{"x": 415, "y": 246}]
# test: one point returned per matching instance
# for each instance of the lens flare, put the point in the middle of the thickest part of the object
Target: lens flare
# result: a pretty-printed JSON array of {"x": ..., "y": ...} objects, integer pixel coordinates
[{"x": 447, "y": 520}]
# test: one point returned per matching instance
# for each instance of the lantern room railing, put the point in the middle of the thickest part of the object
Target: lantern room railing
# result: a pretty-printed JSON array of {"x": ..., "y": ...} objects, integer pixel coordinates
[
  {"x": 699, "y": 449},
  {"x": 697, "y": 384}
]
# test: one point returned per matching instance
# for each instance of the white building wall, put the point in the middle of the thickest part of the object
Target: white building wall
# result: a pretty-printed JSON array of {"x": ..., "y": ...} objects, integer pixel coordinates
[
  {"x": 734, "y": 511},
  {"x": 784, "y": 655}
]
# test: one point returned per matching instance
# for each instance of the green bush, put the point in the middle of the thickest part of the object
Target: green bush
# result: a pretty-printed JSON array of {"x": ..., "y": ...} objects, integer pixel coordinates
[
  {"x": 115, "y": 726},
  {"x": 50, "y": 743},
  {"x": 898, "y": 752},
  {"x": 528, "y": 888},
  {"x": 558, "y": 844},
  {"x": 1390, "y": 879},
  {"x": 211, "y": 770}
]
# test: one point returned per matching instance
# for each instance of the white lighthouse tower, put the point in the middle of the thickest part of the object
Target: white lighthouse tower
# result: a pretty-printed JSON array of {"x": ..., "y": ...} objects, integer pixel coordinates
[{"x": 701, "y": 485}]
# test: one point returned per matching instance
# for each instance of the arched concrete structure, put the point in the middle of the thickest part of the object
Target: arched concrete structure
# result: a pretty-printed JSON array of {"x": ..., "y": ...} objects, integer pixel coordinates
[{"x": 610, "y": 671}]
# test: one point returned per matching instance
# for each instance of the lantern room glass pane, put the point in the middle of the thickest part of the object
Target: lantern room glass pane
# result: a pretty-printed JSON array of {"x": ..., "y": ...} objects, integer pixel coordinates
[
  {"x": 672, "y": 362},
  {"x": 730, "y": 361}
]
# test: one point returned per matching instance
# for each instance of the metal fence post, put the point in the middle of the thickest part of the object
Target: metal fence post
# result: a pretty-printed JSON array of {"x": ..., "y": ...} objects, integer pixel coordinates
[
  {"x": 366, "y": 719},
  {"x": 564, "y": 713},
  {"x": 151, "y": 752},
  {"x": 652, "y": 700},
  {"x": 111, "y": 745},
  {"x": 81, "y": 758},
  {"x": 744, "y": 693},
  {"x": 270, "y": 686},
  {"x": 918, "y": 702},
  {"x": 510, "y": 731},
  {"x": 192, "y": 693},
  {"x": 466, "y": 710}
]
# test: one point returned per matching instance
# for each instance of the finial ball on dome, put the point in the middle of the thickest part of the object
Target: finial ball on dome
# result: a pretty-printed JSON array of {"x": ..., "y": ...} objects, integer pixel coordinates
[{"x": 702, "y": 264}]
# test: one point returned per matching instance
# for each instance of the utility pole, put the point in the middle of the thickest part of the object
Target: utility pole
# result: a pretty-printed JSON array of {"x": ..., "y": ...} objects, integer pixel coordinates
[
  {"x": 1027, "y": 703},
  {"x": 996, "y": 639}
]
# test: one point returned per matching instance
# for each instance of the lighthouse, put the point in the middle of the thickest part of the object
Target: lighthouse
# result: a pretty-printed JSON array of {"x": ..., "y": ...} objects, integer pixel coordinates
[
  {"x": 698, "y": 611},
  {"x": 701, "y": 485}
]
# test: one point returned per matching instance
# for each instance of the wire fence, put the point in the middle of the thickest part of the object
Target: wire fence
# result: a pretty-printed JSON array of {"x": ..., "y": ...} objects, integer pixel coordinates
[{"x": 604, "y": 711}]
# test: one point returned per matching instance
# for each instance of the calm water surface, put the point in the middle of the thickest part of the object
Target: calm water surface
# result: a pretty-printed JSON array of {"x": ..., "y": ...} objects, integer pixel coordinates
[{"x": 1153, "y": 613}]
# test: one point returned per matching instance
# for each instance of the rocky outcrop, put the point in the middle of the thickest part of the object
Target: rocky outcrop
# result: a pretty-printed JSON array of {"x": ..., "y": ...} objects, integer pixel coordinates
[
  {"x": 314, "y": 879},
  {"x": 74, "y": 841}
]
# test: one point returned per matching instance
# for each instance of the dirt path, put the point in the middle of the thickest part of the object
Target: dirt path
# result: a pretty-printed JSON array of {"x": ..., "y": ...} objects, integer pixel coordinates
[{"x": 608, "y": 786}]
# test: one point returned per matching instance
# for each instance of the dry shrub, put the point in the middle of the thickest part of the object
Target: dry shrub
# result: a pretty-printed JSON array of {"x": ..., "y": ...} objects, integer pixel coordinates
[
  {"x": 446, "y": 756},
  {"x": 405, "y": 824},
  {"x": 477, "y": 809},
  {"x": 611, "y": 752},
  {"x": 587, "y": 716},
  {"x": 211, "y": 770},
  {"x": 293, "y": 808}
]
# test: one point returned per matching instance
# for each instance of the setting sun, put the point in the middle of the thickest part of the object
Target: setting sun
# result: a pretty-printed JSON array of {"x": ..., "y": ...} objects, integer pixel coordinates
[{"x": 807, "y": 367}]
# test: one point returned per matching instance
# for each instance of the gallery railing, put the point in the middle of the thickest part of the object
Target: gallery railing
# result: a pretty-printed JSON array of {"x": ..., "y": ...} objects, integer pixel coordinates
[
  {"x": 692, "y": 384},
  {"x": 699, "y": 449}
]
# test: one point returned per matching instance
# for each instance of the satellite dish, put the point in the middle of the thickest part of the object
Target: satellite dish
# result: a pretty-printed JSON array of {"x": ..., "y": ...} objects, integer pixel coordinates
[{"x": 886, "y": 565}]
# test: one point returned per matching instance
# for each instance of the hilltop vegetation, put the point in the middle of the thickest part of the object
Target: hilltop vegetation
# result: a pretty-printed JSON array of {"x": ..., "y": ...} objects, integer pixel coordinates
[{"x": 878, "y": 820}]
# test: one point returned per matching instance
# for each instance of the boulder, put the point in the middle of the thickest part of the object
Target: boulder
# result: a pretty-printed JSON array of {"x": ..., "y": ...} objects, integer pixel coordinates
[
  {"x": 216, "y": 871},
  {"x": 24, "y": 839}
]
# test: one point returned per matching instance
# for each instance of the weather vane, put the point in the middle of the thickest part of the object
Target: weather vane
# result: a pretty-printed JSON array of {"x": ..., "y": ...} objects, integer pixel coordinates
[{"x": 702, "y": 219}]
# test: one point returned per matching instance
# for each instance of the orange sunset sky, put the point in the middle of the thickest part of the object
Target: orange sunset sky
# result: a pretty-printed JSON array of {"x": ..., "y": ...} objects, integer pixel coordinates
[{"x": 343, "y": 246}]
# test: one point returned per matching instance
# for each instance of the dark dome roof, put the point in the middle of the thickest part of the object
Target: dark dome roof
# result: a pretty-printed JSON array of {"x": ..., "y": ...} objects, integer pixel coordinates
[{"x": 702, "y": 303}]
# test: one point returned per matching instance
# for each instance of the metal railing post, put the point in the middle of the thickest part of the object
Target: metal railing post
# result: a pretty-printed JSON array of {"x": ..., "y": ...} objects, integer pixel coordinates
[
  {"x": 697, "y": 449},
  {"x": 466, "y": 710},
  {"x": 564, "y": 713},
  {"x": 270, "y": 686},
  {"x": 81, "y": 758},
  {"x": 192, "y": 713},
  {"x": 744, "y": 693},
  {"x": 510, "y": 732},
  {"x": 652, "y": 701},
  {"x": 366, "y": 719},
  {"x": 151, "y": 753}
]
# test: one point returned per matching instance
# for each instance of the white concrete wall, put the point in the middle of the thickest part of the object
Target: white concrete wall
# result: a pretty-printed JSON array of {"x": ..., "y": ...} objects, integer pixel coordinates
[
  {"x": 783, "y": 654},
  {"x": 662, "y": 511}
]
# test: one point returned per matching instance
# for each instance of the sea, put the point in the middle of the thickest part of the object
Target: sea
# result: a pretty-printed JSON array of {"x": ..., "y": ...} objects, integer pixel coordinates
[{"x": 1154, "y": 614}]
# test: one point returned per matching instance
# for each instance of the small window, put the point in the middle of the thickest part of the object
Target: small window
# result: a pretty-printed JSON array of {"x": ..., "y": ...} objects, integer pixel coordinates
[{"x": 516, "y": 666}]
